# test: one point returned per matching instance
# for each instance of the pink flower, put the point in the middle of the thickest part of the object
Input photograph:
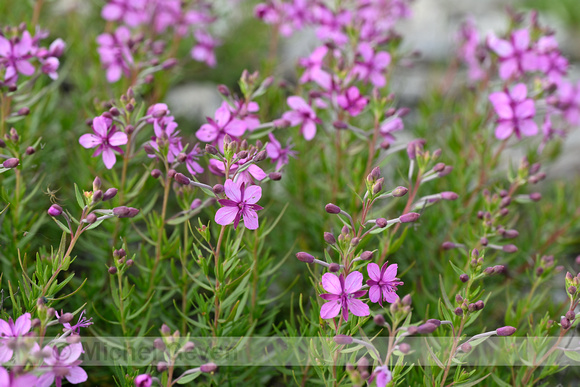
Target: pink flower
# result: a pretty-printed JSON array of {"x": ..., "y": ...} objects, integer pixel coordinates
[
  {"x": 106, "y": 138},
  {"x": 223, "y": 123},
  {"x": 240, "y": 205},
  {"x": 382, "y": 375},
  {"x": 63, "y": 364},
  {"x": 332, "y": 25},
  {"x": 550, "y": 59},
  {"x": 9, "y": 380},
  {"x": 388, "y": 127},
  {"x": 515, "y": 113},
  {"x": 203, "y": 51},
  {"x": 313, "y": 68},
  {"x": 515, "y": 55},
  {"x": 303, "y": 115},
  {"x": 383, "y": 283},
  {"x": 342, "y": 295},
  {"x": 352, "y": 101},
  {"x": 568, "y": 101},
  {"x": 15, "y": 56},
  {"x": 143, "y": 380},
  {"x": 370, "y": 66},
  {"x": 115, "y": 54},
  {"x": 470, "y": 50},
  {"x": 131, "y": 12},
  {"x": 164, "y": 129},
  {"x": 243, "y": 111},
  {"x": 191, "y": 161},
  {"x": 12, "y": 329},
  {"x": 246, "y": 176},
  {"x": 277, "y": 154}
]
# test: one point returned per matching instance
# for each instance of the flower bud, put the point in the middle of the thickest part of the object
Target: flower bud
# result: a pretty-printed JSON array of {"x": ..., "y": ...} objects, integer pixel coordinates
[
  {"x": 510, "y": 234},
  {"x": 458, "y": 299},
  {"x": 565, "y": 323},
  {"x": 91, "y": 218},
  {"x": 434, "y": 321},
  {"x": 572, "y": 290},
  {"x": 374, "y": 175},
  {"x": 363, "y": 364},
  {"x": 162, "y": 366},
  {"x": 125, "y": 212},
  {"x": 65, "y": 318},
  {"x": 332, "y": 208},
  {"x": 260, "y": 156},
  {"x": 165, "y": 330},
  {"x": 410, "y": 217},
  {"x": 382, "y": 222},
  {"x": 448, "y": 245},
  {"x": 305, "y": 257},
  {"x": 426, "y": 328},
  {"x": 188, "y": 347},
  {"x": 448, "y": 195},
  {"x": 412, "y": 330},
  {"x": 30, "y": 150},
  {"x": 329, "y": 238},
  {"x": 536, "y": 196},
  {"x": 275, "y": 176},
  {"x": 212, "y": 150},
  {"x": 466, "y": 347},
  {"x": 208, "y": 367},
  {"x": 458, "y": 311},
  {"x": 159, "y": 344},
  {"x": 404, "y": 348},
  {"x": 479, "y": 305},
  {"x": 171, "y": 173},
  {"x": 413, "y": 147},
  {"x": 23, "y": 111},
  {"x": 379, "y": 320},
  {"x": 510, "y": 248},
  {"x": 11, "y": 163},
  {"x": 399, "y": 192},
  {"x": 570, "y": 315},
  {"x": 155, "y": 173},
  {"x": 446, "y": 171},
  {"x": 109, "y": 194},
  {"x": 223, "y": 90},
  {"x": 112, "y": 270},
  {"x": 483, "y": 241},
  {"x": 439, "y": 167},
  {"x": 130, "y": 262},
  {"x": 181, "y": 179},
  {"x": 55, "y": 210},
  {"x": 334, "y": 267},
  {"x": 366, "y": 255},
  {"x": 407, "y": 300},
  {"x": 464, "y": 278},
  {"x": 342, "y": 339},
  {"x": 340, "y": 125}
]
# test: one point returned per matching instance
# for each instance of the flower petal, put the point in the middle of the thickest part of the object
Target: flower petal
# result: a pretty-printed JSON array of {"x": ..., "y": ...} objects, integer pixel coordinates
[
  {"x": 118, "y": 138},
  {"x": 374, "y": 271},
  {"x": 207, "y": 133},
  {"x": 233, "y": 191},
  {"x": 375, "y": 293},
  {"x": 257, "y": 172},
  {"x": 250, "y": 219},
  {"x": 525, "y": 109},
  {"x": 89, "y": 140},
  {"x": 504, "y": 130},
  {"x": 501, "y": 105},
  {"x": 22, "y": 325},
  {"x": 308, "y": 130},
  {"x": 109, "y": 158},
  {"x": 331, "y": 283},
  {"x": 330, "y": 310},
  {"x": 358, "y": 308},
  {"x": 390, "y": 273},
  {"x": 76, "y": 375},
  {"x": 252, "y": 194},
  {"x": 528, "y": 127},
  {"x": 226, "y": 215},
  {"x": 353, "y": 282}
]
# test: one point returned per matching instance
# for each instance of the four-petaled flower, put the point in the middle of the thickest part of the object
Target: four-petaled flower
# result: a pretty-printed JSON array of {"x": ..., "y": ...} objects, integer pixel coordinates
[
  {"x": 63, "y": 364},
  {"x": 352, "y": 101},
  {"x": 222, "y": 124},
  {"x": 10, "y": 330},
  {"x": 370, "y": 66},
  {"x": 515, "y": 112},
  {"x": 342, "y": 296},
  {"x": 241, "y": 204},
  {"x": 277, "y": 154},
  {"x": 106, "y": 138},
  {"x": 515, "y": 55},
  {"x": 383, "y": 283},
  {"x": 303, "y": 115},
  {"x": 15, "y": 56}
]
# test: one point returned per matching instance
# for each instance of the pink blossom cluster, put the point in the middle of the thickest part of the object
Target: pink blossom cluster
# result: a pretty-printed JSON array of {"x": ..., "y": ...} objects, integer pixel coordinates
[
  {"x": 533, "y": 71},
  {"x": 351, "y": 58},
  {"x": 171, "y": 20},
  {"x": 51, "y": 364},
  {"x": 22, "y": 55}
]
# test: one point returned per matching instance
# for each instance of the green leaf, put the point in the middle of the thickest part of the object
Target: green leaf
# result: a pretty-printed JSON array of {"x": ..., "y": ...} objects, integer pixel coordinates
[{"x": 79, "y": 197}]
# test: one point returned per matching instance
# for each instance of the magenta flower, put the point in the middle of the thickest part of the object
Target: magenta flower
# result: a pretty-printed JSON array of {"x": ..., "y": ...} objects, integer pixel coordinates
[
  {"x": 277, "y": 154},
  {"x": 515, "y": 113},
  {"x": 515, "y": 55},
  {"x": 470, "y": 51},
  {"x": 342, "y": 296},
  {"x": 240, "y": 205},
  {"x": 143, "y": 380},
  {"x": 165, "y": 130},
  {"x": 382, "y": 375},
  {"x": 131, "y": 12},
  {"x": 191, "y": 160},
  {"x": 383, "y": 283},
  {"x": 115, "y": 54},
  {"x": 81, "y": 323},
  {"x": 15, "y": 56},
  {"x": 568, "y": 101},
  {"x": 246, "y": 176},
  {"x": 370, "y": 66},
  {"x": 10, "y": 330},
  {"x": 352, "y": 101},
  {"x": 387, "y": 128},
  {"x": 223, "y": 123},
  {"x": 10, "y": 380},
  {"x": 332, "y": 25},
  {"x": 106, "y": 138},
  {"x": 63, "y": 364},
  {"x": 550, "y": 59},
  {"x": 313, "y": 68},
  {"x": 303, "y": 115},
  {"x": 203, "y": 51},
  {"x": 244, "y": 112}
]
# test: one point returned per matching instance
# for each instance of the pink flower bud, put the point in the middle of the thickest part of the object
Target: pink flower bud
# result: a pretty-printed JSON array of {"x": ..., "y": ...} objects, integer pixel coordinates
[
  {"x": 55, "y": 210},
  {"x": 410, "y": 217},
  {"x": 305, "y": 257},
  {"x": 11, "y": 163},
  {"x": 332, "y": 208},
  {"x": 181, "y": 179},
  {"x": 208, "y": 367},
  {"x": 448, "y": 195},
  {"x": 400, "y": 191},
  {"x": 342, "y": 339}
]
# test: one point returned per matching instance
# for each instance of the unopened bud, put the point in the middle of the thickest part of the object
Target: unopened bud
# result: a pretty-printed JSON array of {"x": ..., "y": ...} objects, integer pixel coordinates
[
  {"x": 109, "y": 194},
  {"x": 332, "y": 208},
  {"x": 181, "y": 179},
  {"x": 112, "y": 270},
  {"x": 366, "y": 255},
  {"x": 212, "y": 150},
  {"x": 464, "y": 278},
  {"x": 334, "y": 267},
  {"x": 382, "y": 222},
  {"x": 342, "y": 339},
  {"x": 404, "y": 348},
  {"x": 55, "y": 210},
  {"x": 305, "y": 257},
  {"x": 400, "y": 191},
  {"x": 426, "y": 328},
  {"x": 329, "y": 238},
  {"x": 208, "y": 368},
  {"x": 275, "y": 176},
  {"x": 379, "y": 320},
  {"x": 410, "y": 217},
  {"x": 510, "y": 248},
  {"x": 11, "y": 163}
]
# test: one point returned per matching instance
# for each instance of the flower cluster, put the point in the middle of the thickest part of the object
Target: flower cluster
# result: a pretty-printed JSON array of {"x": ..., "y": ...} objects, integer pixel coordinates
[{"x": 126, "y": 51}]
